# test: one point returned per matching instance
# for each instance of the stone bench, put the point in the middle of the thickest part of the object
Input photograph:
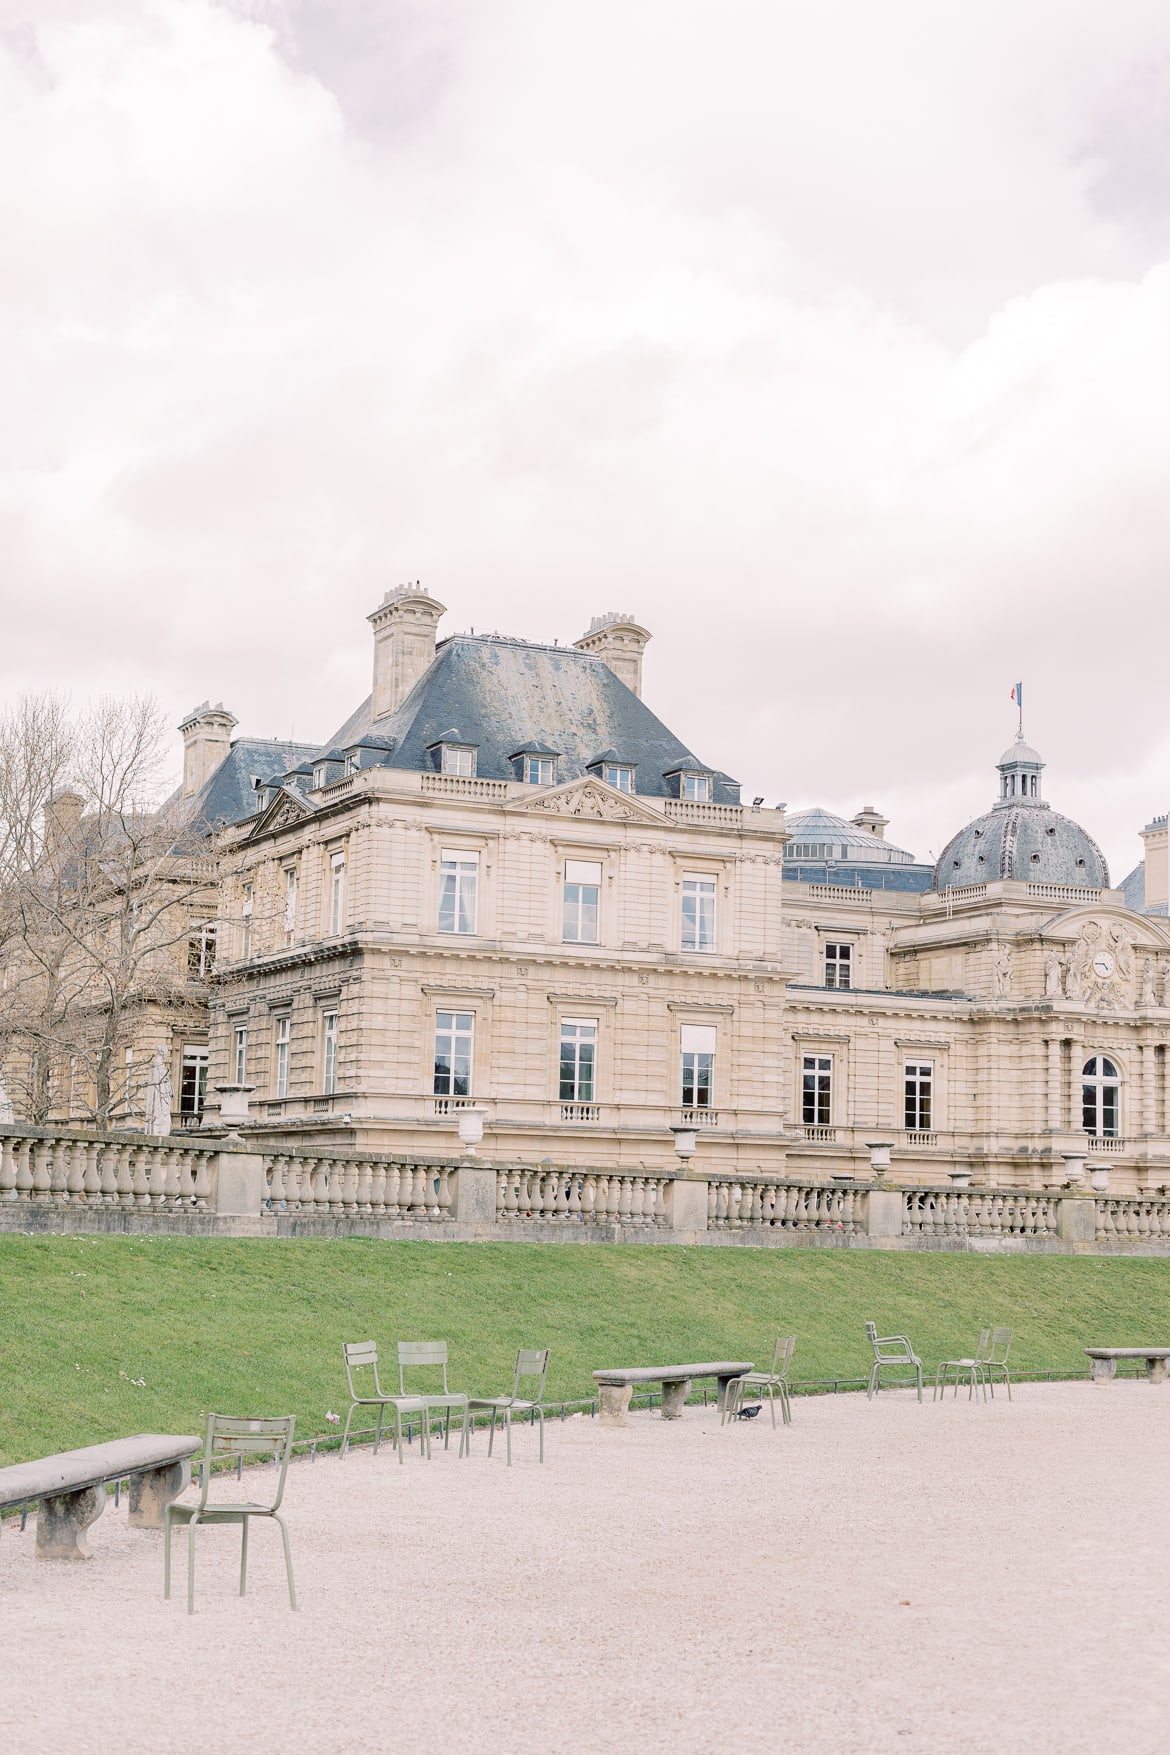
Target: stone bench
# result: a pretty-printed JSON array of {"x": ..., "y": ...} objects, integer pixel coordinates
[
  {"x": 1103, "y": 1361},
  {"x": 71, "y": 1487},
  {"x": 614, "y": 1388}
]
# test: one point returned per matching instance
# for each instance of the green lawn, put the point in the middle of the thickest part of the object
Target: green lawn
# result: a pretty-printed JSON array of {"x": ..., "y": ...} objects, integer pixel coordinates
[{"x": 101, "y": 1337}]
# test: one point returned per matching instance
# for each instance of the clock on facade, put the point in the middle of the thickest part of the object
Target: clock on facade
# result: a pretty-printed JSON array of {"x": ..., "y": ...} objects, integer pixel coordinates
[{"x": 1103, "y": 965}]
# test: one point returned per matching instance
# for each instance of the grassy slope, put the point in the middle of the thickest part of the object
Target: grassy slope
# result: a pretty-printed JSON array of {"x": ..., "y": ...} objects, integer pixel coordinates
[{"x": 256, "y": 1326}]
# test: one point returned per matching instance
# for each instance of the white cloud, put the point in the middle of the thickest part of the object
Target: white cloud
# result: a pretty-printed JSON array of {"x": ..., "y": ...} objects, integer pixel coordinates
[{"x": 832, "y": 341}]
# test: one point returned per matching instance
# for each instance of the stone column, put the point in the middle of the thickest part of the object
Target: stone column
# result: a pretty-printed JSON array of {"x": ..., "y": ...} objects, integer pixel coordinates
[
  {"x": 1055, "y": 1080},
  {"x": 1149, "y": 1090}
]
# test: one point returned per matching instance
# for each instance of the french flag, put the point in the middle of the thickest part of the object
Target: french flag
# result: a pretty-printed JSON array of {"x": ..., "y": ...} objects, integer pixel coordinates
[{"x": 1018, "y": 694}]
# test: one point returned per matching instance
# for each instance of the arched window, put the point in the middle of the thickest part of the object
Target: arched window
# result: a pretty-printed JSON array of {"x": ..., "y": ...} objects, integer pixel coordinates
[{"x": 1101, "y": 1097}]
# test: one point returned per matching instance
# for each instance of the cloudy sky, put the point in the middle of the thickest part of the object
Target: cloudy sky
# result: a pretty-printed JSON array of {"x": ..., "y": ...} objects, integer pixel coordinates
[{"x": 832, "y": 341}]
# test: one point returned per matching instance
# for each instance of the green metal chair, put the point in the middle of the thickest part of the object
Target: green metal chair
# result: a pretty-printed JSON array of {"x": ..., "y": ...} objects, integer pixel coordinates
[
  {"x": 994, "y": 1358},
  {"x": 529, "y": 1366},
  {"x": 773, "y": 1382},
  {"x": 973, "y": 1369},
  {"x": 891, "y": 1351},
  {"x": 363, "y": 1356},
  {"x": 229, "y": 1437},
  {"x": 432, "y": 1355}
]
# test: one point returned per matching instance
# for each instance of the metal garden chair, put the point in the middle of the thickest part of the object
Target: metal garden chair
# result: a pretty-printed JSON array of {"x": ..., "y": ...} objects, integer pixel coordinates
[
  {"x": 229, "y": 1437},
  {"x": 424, "y": 1355},
  {"x": 891, "y": 1351},
  {"x": 530, "y": 1366},
  {"x": 363, "y": 1356},
  {"x": 994, "y": 1358},
  {"x": 773, "y": 1382},
  {"x": 973, "y": 1369}
]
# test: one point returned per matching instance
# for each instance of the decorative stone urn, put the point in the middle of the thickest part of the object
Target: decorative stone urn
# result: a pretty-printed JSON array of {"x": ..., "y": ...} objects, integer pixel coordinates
[
  {"x": 879, "y": 1156},
  {"x": 471, "y": 1127},
  {"x": 1099, "y": 1178},
  {"x": 685, "y": 1142},
  {"x": 233, "y": 1103},
  {"x": 1074, "y": 1166},
  {"x": 961, "y": 1178}
]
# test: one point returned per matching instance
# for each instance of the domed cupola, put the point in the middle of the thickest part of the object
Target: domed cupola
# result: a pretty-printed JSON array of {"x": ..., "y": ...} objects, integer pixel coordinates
[{"x": 1022, "y": 837}]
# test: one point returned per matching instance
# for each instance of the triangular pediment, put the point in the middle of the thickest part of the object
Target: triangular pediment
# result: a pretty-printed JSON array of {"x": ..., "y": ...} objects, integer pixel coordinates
[
  {"x": 593, "y": 799},
  {"x": 286, "y": 808}
]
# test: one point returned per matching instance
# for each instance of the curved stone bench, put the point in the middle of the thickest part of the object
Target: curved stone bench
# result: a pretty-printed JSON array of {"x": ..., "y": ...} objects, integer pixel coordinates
[
  {"x": 1103, "y": 1361},
  {"x": 614, "y": 1388},
  {"x": 70, "y": 1487}
]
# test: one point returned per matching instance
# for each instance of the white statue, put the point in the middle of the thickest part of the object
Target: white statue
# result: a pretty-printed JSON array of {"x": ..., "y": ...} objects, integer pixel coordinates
[
  {"x": 1149, "y": 989},
  {"x": 1072, "y": 982},
  {"x": 160, "y": 1095},
  {"x": 7, "y": 1112},
  {"x": 1004, "y": 971},
  {"x": 1052, "y": 973}
]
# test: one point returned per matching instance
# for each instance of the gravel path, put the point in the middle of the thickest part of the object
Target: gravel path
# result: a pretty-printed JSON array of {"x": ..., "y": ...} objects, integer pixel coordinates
[{"x": 879, "y": 1577}]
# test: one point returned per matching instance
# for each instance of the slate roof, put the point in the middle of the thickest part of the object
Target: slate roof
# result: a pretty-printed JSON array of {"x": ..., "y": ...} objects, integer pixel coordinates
[
  {"x": 1023, "y": 839},
  {"x": 1133, "y": 888},
  {"x": 507, "y": 695},
  {"x": 229, "y": 795}
]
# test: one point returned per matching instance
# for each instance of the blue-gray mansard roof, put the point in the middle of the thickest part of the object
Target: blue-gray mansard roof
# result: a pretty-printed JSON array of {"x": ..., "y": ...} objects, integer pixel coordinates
[
  {"x": 504, "y": 696},
  {"x": 229, "y": 795}
]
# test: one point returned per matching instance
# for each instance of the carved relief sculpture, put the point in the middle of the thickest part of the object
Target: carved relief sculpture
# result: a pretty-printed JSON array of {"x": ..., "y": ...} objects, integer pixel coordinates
[{"x": 1052, "y": 974}]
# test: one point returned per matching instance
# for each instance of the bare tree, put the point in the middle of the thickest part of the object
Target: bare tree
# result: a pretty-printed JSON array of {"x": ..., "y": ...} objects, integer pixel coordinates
[{"x": 101, "y": 878}]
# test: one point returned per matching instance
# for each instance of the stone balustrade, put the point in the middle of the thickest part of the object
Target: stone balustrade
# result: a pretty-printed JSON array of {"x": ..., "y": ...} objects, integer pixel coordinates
[
  {"x": 355, "y": 1186},
  {"x": 979, "y": 1212},
  {"x": 71, "y": 1179},
  {"x": 589, "y": 1197}
]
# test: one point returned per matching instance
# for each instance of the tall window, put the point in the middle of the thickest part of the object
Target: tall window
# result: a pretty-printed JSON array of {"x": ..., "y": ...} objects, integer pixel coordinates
[
  {"x": 698, "y": 1065},
  {"x": 816, "y": 1097},
  {"x": 619, "y": 776},
  {"x": 290, "y": 903},
  {"x": 239, "y": 1054},
  {"x": 538, "y": 770},
  {"x": 698, "y": 914},
  {"x": 246, "y": 912},
  {"x": 336, "y": 893},
  {"x": 1101, "y": 1097},
  {"x": 919, "y": 1095},
  {"x": 696, "y": 787},
  {"x": 578, "y": 1059},
  {"x": 838, "y": 965},
  {"x": 457, "y": 759},
  {"x": 454, "y": 1035},
  {"x": 192, "y": 1083},
  {"x": 582, "y": 899},
  {"x": 201, "y": 951},
  {"x": 458, "y": 881},
  {"x": 283, "y": 1031},
  {"x": 329, "y": 1051}
]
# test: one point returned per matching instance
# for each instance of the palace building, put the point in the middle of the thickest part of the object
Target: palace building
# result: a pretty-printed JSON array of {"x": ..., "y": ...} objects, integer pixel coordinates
[{"x": 504, "y": 882}]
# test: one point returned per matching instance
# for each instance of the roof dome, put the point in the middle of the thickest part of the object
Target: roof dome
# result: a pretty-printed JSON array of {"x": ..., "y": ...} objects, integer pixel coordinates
[{"x": 1022, "y": 837}]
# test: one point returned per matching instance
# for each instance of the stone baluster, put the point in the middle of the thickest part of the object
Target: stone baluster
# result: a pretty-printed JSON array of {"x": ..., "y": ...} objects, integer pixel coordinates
[
  {"x": 1106, "y": 1230},
  {"x": 390, "y": 1190},
  {"x": 139, "y": 1188},
  {"x": 365, "y": 1182},
  {"x": 848, "y": 1212},
  {"x": 574, "y": 1198},
  {"x": 58, "y": 1170},
  {"x": 588, "y": 1198},
  {"x": 348, "y": 1178},
  {"x": 625, "y": 1200},
  {"x": 175, "y": 1184},
  {"x": 712, "y": 1205},
  {"x": 445, "y": 1198},
  {"x": 202, "y": 1187},
  {"x": 277, "y": 1197},
  {"x": 75, "y": 1176},
  {"x": 107, "y": 1193},
  {"x": 313, "y": 1192},
  {"x": 377, "y": 1190},
  {"x": 156, "y": 1175},
  {"x": 418, "y": 1194},
  {"x": 654, "y": 1206},
  {"x": 637, "y": 1200},
  {"x": 294, "y": 1168},
  {"x": 41, "y": 1171},
  {"x": 123, "y": 1182},
  {"x": 8, "y": 1170},
  {"x": 559, "y": 1205},
  {"x": 24, "y": 1170}
]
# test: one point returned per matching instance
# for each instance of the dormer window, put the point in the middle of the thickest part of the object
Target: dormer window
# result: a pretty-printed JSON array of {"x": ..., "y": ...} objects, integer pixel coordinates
[
  {"x": 538, "y": 770},
  {"x": 320, "y": 774},
  {"x": 457, "y": 758},
  {"x": 351, "y": 762},
  {"x": 615, "y": 774},
  {"x": 696, "y": 787}
]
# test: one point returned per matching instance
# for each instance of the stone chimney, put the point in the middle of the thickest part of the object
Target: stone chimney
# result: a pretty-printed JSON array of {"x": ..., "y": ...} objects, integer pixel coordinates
[
  {"x": 404, "y": 644},
  {"x": 619, "y": 641},
  {"x": 871, "y": 821},
  {"x": 1154, "y": 836},
  {"x": 207, "y": 738},
  {"x": 63, "y": 813}
]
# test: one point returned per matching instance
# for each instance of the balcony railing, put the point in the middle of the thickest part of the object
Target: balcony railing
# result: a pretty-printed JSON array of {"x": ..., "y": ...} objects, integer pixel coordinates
[
  {"x": 451, "y": 1105},
  {"x": 579, "y": 1112},
  {"x": 700, "y": 1118},
  {"x": 821, "y": 1136},
  {"x": 464, "y": 786}
]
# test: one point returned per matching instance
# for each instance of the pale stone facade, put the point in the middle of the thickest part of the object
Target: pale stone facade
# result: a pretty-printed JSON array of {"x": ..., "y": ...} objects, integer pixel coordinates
[{"x": 395, "y": 942}]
